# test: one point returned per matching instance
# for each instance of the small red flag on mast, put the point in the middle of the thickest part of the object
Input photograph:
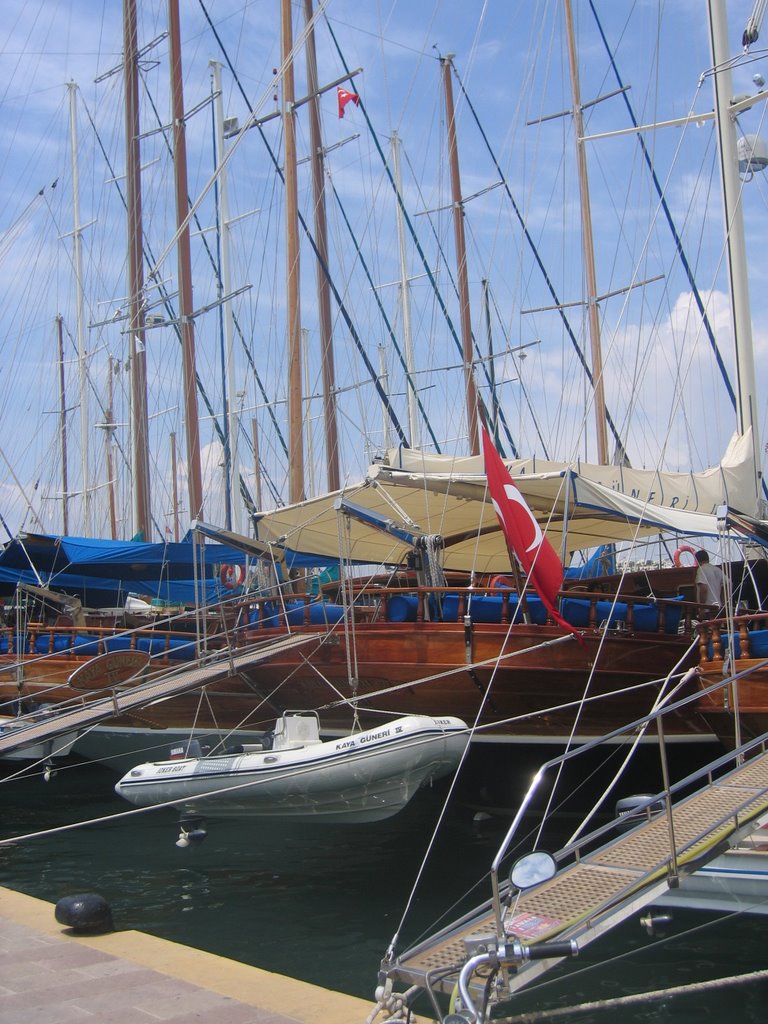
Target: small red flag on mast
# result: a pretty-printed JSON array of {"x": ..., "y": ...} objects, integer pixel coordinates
[{"x": 346, "y": 97}]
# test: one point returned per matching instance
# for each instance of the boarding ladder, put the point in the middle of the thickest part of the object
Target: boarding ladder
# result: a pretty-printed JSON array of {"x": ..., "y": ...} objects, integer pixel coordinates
[{"x": 602, "y": 879}]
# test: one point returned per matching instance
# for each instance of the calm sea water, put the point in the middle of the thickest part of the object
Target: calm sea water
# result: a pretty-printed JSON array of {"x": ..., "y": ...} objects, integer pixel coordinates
[{"x": 321, "y": 903}]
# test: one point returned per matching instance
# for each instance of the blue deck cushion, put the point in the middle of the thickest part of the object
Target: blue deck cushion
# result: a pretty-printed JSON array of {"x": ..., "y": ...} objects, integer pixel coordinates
[
  {"x": 575, "y": 610},
  {"x": 450, "y": 607},
  {"x": 537, "y": 610},
  {"x": 758, "y": 643},
  {"x": 646, "y": 618},
  {"x": 672, "y": 614},
  {"x": 181, "y": 649},
  {"x": 118, "y": 643},
  {"x": 85, "y": 644},
  {"x": 724, "y": 647},
  {"x": 320, "y": 613},
  {"x": 489, "y": 608},
  {"x": 61, "y": 642},
  {"x": 402, "y": 608},
  {"x": 268, "y": 615}
]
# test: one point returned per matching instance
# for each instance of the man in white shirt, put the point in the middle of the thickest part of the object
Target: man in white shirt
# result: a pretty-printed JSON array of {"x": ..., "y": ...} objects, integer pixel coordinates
[{"x": 709, "y": 583}]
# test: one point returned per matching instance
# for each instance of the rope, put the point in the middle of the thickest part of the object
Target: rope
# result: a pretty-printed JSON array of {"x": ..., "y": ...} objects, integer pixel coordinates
[
  {"x": 639, "y": 998},
  {"x": 350, "y": 636}
]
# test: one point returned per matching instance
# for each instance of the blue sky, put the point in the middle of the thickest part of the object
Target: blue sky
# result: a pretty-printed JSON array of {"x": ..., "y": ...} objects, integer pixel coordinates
[{"x": 662, "y": 385}]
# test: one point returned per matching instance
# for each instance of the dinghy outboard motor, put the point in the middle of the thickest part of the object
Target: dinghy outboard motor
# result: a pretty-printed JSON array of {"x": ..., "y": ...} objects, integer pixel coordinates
[
  {"x": 633, "y": 810},
  {"x": 192, "y": 831}
]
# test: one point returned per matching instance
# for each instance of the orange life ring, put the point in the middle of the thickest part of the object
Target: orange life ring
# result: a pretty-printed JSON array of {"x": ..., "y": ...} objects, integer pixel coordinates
[
  {"x": 232, "y": 576},
  {"x": 677, "y": 557},
  {"x": 501, "y": 581}
]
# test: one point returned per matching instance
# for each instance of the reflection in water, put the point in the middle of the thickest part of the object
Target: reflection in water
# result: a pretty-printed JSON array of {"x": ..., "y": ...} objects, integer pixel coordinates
[{"x": 322, "y": 902}]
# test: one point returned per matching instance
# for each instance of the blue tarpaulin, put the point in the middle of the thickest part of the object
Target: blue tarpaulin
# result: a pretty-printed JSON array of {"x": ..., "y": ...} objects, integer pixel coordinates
[{"x": 104, "y": 572}]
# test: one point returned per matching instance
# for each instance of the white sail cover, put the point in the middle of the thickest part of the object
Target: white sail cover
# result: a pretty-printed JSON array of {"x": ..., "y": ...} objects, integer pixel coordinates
[{"x": 579, "y": 507}]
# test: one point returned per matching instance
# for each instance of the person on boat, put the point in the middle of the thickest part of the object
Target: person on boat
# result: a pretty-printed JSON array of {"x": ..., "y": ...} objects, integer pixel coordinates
[{"x": 709, "y": 584}]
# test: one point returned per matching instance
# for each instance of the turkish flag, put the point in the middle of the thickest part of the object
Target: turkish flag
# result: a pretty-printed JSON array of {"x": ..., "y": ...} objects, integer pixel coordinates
[
  {"x": 346, "y": 97},
  {"x": 522, "y": 532}
]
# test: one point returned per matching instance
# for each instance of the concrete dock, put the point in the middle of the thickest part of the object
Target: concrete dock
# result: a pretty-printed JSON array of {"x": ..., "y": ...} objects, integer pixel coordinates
[{"x": 49, "y": 975}]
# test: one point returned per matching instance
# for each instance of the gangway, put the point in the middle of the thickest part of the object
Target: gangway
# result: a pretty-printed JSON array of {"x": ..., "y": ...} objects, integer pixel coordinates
[
  {"x": 120, "y": 700},
  {"x": 600, "y": 880}
]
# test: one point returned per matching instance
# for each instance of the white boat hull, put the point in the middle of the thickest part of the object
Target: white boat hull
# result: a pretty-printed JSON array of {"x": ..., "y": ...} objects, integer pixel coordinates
[
  {"x": 48, "y": 750},
  {"x": 364, "y": 777}
]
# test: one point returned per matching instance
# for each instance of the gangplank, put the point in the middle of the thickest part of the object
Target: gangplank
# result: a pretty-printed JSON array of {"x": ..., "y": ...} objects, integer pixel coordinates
[
  {"x": 599, "y": 880},
  {"x": 130, "y": 695}
]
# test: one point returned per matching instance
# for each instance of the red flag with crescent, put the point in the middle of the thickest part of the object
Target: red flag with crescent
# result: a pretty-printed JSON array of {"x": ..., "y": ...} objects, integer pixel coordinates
[
  {"x": 346, "y": 97},
  {"x": 522, "y": 532}
]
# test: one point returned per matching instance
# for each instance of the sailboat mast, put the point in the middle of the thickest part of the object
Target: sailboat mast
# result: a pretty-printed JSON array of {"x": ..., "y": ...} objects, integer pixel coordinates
[
  {"x": 82, "y": 355},
  {"x": 174, "y": 489},
  {"x": 63, "y": 427},
  {"x": 233, "y": 420},
  {"x": 109, "y": 430},
  {"x": 293, "y": 307},
  {"x": 405, "y": 299},
  {"x": 139, "y": 418},
  {"x": 587, "y": 244},
  {"x": 256, "y": 465},
  {"x": 461, "y": 259},
  {"x": 747, "y": 411},
  {"x": 186, "y": 322},
  {"x": 321, "y": 242}
]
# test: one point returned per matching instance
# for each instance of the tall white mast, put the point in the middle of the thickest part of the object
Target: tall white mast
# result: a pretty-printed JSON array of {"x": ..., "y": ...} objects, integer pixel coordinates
[
  {"x": 233, "y": 419},
  {"x": 587, "y": 245},
  {"x": 405, "y": 300},
  {"x": 747, "y": 411},
  {"x": 82, "y": 355}
]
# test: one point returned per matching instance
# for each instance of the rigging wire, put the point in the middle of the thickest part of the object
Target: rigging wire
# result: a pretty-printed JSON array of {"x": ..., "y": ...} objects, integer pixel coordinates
[
  {"x": 310, "y": 237},
  {"x": 534, "y": 249},
  {"x": 414, "y": 237},
  {"x": 667, "y": 214}
]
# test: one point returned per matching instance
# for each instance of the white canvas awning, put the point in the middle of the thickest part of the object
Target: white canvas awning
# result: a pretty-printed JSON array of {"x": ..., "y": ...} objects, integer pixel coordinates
[{"x": 578, "y": 507}]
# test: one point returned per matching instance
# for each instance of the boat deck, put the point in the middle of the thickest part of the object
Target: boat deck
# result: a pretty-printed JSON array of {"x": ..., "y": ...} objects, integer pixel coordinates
[{"x": 601, "y": 888}]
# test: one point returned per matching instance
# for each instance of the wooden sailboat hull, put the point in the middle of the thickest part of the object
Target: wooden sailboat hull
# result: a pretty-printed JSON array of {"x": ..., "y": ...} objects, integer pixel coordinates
[
  {"x": 533, "y": 693},
  {"x": 747, "y": 697},
  {"x": 521, "y": 683}
]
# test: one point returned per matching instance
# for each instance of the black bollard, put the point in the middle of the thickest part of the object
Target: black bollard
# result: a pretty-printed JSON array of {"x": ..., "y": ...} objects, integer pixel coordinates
[{"x": 87, "y": 913}]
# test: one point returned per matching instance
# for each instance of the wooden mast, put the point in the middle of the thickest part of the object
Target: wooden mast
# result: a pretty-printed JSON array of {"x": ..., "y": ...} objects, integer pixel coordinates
[
  {"x": 139, "y": 418},
  {"x": 321, "y": 241},
  {"x": 186, "y": 323},
  {"x": 293, "y": 307},
  {"x": 461, "y": 259},
  {"x": 588, "y": 245}
]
